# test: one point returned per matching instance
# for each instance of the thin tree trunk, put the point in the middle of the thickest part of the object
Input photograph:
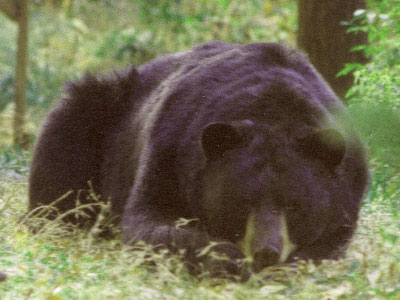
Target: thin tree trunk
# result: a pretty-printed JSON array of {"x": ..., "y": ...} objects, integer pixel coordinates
[
  {"x": 20, "y": 77},
  {"x": 322, "y": 35}
]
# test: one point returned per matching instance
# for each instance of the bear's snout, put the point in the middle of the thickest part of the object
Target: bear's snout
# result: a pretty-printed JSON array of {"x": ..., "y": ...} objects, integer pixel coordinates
[{"x": 266, "y": 241}]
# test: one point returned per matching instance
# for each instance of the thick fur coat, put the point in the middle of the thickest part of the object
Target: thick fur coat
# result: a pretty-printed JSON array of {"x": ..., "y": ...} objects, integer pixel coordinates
[{"x": 248, "y": 142}]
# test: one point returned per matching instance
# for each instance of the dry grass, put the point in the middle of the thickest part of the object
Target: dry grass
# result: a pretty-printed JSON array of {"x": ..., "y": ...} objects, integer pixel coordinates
[{"x": 58, "y": 264}]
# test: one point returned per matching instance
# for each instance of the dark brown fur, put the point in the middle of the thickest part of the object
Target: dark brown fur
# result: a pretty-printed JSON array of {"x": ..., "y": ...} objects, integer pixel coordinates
[{"x": 211, "y": 134}]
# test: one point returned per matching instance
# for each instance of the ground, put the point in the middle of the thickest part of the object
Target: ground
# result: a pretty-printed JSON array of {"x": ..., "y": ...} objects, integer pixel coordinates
[{"x": 77, "y": 266}]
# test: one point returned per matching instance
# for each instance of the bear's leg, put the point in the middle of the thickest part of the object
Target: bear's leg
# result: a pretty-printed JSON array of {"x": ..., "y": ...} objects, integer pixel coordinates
[
  {"x": 69, "y": 151},
  {"x": 156, "y": 204},
  {"x": 157, "y": 229}
]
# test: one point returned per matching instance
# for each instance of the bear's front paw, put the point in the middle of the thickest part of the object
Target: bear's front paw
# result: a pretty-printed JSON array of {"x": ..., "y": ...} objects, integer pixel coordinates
[{"x": 224, "y": 260}]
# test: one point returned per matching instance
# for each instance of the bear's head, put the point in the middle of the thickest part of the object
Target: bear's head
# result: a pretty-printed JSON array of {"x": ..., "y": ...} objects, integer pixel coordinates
[{"x": 279, "y": 192}]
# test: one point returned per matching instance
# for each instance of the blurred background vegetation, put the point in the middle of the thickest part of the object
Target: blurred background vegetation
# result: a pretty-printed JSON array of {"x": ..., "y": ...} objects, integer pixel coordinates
[
  {"x": 71, "y": 37},
  {"x": 68, "y": 38}
]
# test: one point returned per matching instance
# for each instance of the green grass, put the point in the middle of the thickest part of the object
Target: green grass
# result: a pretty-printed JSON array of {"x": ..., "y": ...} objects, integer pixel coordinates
[{"x": 58, "y": 264}]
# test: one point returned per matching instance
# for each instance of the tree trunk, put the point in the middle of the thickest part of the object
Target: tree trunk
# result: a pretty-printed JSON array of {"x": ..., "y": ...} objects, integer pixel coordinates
[
  {"x": 20, "y": 72},
  {"x": 322, "y": 35}
]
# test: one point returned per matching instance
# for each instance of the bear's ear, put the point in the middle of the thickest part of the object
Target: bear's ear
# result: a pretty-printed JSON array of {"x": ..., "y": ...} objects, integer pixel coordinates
[
  {"x": 327, "y": 145},
  {"x": 217, "y": 138}
]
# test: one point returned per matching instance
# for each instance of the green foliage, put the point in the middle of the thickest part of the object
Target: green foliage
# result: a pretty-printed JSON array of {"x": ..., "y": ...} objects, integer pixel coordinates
[
  {"x": 383, "y": 28},
  {"x": 14, "y": 160},
  {"x": 374, "y": 100},
  {"x": 7, "y": 48},
  {"x": 69, "y": 37}
]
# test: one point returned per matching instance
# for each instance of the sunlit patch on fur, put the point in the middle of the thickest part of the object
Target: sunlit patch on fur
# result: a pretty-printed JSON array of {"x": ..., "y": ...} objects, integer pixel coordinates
[
  {"x": 245, "y": 243},
  {"x": 287, "y": 246}
]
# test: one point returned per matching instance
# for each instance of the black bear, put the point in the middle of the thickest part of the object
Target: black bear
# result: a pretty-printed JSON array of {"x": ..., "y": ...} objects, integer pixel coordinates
[{"x": 247, "y": 142}]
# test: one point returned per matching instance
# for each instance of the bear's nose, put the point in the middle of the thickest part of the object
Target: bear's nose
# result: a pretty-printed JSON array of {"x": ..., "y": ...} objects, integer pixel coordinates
[{"x": 264, "y": 258}]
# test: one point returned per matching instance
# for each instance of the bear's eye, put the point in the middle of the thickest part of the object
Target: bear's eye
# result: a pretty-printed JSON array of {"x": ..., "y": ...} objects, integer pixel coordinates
[
  {"x": 326, "y": 145},
  {"x": 218, "y": 138}
]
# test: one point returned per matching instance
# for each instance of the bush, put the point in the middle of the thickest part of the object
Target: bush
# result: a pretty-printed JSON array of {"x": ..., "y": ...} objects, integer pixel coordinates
[{"x": 374, "y": 100}]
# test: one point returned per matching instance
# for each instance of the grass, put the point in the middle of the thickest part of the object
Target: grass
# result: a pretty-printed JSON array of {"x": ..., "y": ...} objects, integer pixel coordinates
[{"x": 58, "y": 264}]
